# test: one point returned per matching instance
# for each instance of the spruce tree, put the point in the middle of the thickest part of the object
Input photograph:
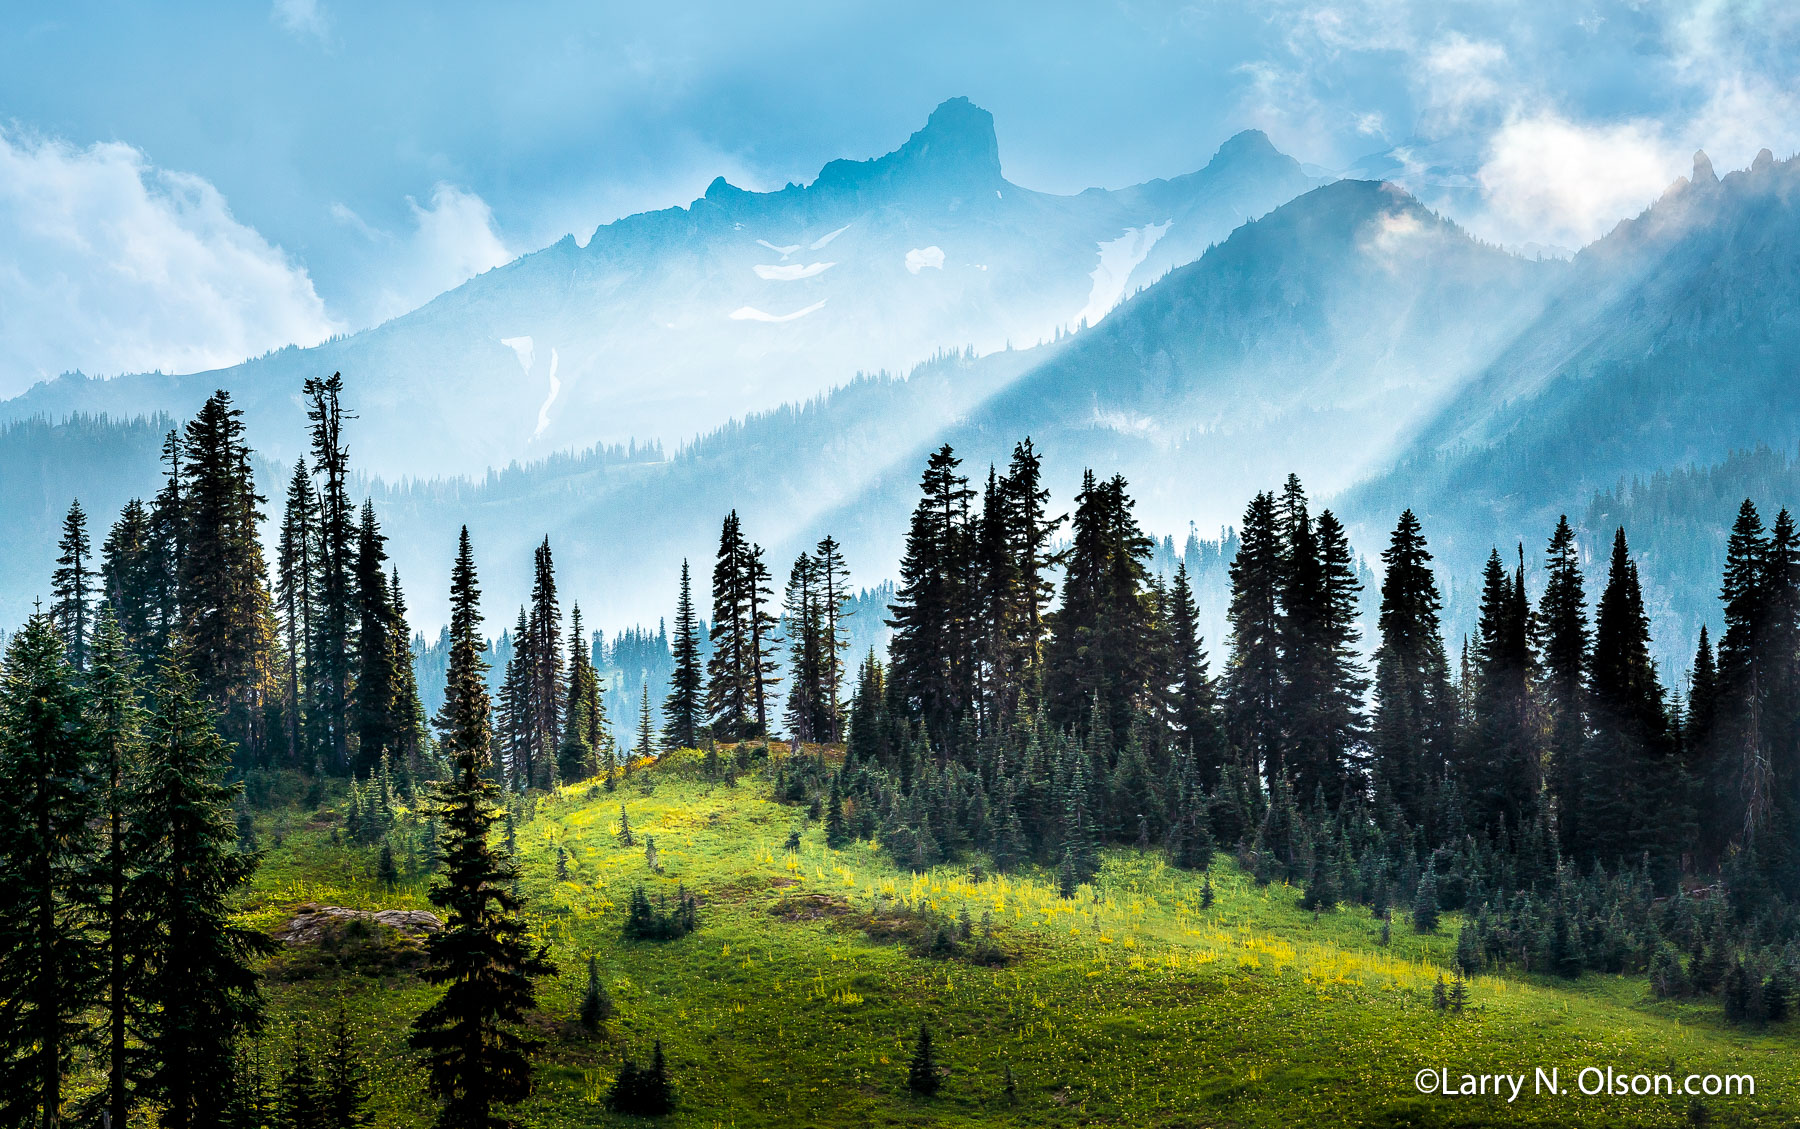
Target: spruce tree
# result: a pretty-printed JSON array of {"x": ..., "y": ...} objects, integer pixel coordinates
[
  {"x": 730, "y": 690},
  {"x": 1253, "y": 690},
  {"x": 1414, "y": 703},
  {"x": 126, "y": 585},
  {"x": 596, "y": 1004},
  {"x": 682, "y": 708},
  {"x": 548, "y": 691},
  {"x": 475, "y": 1057},
  {"x": 1561, "y": 625},
  {"x": 376, "y": 677},
  {"x": 1100, "y": 635},
  {"x": 646, "y": 733},
  {"x": 930, "y": 665},
  {"x": 49, "y": 958},
  {"x": 296, "y": 558},
  {"x": 72, "y": 583},
  {"x": 334, "y": 622},
  {"x": 1502, "y": 763},
  {"x": 200, "y": 989},
  {"x": 833, "y": 579},
  {"x": 117, "y": 721},
  {"x": 922, "y": 1072},
  {"x": 1631, "y": 789},
  {"x": 584, "y": 717}
]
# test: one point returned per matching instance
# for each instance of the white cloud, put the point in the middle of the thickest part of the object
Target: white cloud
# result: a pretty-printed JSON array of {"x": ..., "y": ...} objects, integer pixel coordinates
[
  {"x": 1459, "y": 78},
  {"x": 921, "y": 258},
  {"x": 453, "y": 240},
  {"x": 1553, "y": 180},
  {"x": 305, "y": 19},
  {"x": 113, "y": 265}
]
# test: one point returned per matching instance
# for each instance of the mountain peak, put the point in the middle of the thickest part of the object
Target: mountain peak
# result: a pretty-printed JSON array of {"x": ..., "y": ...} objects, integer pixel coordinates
[
  {"x": 1249, "y": 143},
  {"x": 955, "y": 148},
  {"x": 1703, "y": 170}
]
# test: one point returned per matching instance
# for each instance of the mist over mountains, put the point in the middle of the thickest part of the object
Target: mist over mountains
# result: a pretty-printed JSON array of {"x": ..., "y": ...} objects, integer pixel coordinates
[
  {"x": 667, "y": 324},
  {"x": 1341, "y": 331}
]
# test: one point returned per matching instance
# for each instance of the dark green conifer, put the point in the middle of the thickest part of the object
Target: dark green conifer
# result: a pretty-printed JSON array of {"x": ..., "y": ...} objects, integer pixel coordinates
[
  {"x": 683, "y": 707},
  {"x": 922, "y": 1072},
  {"x": 475, "y": 1056},
  {"x": 72, "y": 584}
]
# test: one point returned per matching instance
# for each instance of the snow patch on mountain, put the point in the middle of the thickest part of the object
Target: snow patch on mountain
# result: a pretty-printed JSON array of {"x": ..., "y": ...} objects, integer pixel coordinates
[
  {"x": 522, "y": 348},
  {"x": 828, "y": 237},
  {"x": 784, "y": 252},
  {"x": 543, "y": 419},
  {"x": 790, "y": 272},
  {"x": 919, "y": 258},
  {"x": 751, "y": 313},
  {"x": 1118, "y": 258}
]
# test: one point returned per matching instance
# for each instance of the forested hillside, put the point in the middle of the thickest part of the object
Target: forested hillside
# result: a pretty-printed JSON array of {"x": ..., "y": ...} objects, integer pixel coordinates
[{"x": 1046, "y": 738}]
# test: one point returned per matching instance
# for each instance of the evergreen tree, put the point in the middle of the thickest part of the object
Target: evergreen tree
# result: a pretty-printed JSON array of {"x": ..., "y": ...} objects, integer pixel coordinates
[
  {"x": 164, "y": 550},
  {"x": 72, "y": 584},
  {"x": 126, "y": 585},
  {"x": 334, "y": 620},
  {"x": 1502, "y": 762},
  {"x": 930, "y": 665},
  {"x": 49, "y": 953},
  {"x": 343, "y": 1078},
  {"x": 833, "y": 577},
  {"x": 682, "y": 708},
  {"x": 730, "y": 686},
  {"x": 584, "y": 719},
  {"x": 475, "y": 1057},
  {"x": 548, "y": 692},
  {"x": 1253, "y": 690},
  {"x": 1630, "y": 787},
  {"x": 296, "y": 569},
  {"x": 1414, "y": 704},
  {"x": 1100, "y": 635},
  {"x": 1194, "y": 709},
  {"x": 1562, "y": 632},
  {"x": 1323, "y": 685},
  {"x": 227, "y": 628},
  {"x": 200, "y": 987},
  {"x": 922, "y": 1072},
  {"x": 376, "y": 676},
  {"x": 646, "y": 733},
  {"x": 596, "y": 1004},
  {"x": 804, "y": 623},
  {"x": 117, "y": 721}
]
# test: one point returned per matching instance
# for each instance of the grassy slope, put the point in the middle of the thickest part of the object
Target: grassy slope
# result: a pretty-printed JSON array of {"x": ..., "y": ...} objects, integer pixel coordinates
[{"x": 1127, "y": 1006}]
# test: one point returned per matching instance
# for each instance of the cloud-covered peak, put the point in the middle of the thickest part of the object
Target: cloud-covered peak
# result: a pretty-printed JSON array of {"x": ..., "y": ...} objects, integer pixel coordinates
[{"x": 955, "y": 150}]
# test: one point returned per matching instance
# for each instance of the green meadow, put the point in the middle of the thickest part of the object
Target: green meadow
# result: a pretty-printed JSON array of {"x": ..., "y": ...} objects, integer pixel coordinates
[{"x": 798, "y": 1000}]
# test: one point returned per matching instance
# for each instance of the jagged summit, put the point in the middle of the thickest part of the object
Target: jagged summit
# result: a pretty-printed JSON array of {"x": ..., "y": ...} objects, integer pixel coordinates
[
  {"x": 1703, "y": 169},
  {"x": 956, "y": 148}
]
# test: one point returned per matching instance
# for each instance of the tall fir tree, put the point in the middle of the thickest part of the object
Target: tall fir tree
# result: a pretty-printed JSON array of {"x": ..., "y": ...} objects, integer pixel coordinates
[
  {"x": 1415, "y": 706},
  {"x": 296, "y": 570},
  {"x": 548, "y": 691},
  {"x": 1561, "y": 627},
  {"x": 683, "y": 708},
  {"x": 375, "y": 690},
  {"x": 1100, "y": 635},
  {"x": 730, "y": 681},
  {"x": 930, "y": 668},
  {"x": 200, "y": 987},
  {"x": 1502, "y": 761},
  {"x": 49, "y": 948},
  {"x": 476, "y": 1058},
  {"x": 228, "y": 627},
  {"x": 72, "y": 583},
  {"x": 117, "y": 719},
  {"x": 584, "y": 719},
  {"x": 1631, "y": 781},
  {"x": 334, "y": 620},
  {"x": 125, "y": 583},
  {"x": 1253, "y": 690}
]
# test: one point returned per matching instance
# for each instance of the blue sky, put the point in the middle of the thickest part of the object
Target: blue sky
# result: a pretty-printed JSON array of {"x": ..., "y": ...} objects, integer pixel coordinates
[{"x": 181, "y": 186}]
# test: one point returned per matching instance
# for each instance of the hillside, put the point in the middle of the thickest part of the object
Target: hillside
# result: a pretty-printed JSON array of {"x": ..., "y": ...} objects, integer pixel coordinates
[
  {"x": 670, "y": 323},
  {"x": 1672, "y": 341},
  {"x": 798, "y": 999}
]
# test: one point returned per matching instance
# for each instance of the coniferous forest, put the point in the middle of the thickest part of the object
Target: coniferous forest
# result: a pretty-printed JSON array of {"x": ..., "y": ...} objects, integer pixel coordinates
[{"x": 245, "y": 880}]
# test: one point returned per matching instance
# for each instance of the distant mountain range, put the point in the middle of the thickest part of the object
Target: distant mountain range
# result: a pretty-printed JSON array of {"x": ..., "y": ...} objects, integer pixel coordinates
[
  {"x": 670, "y": 323},
  {"x": 1349, "y": 335}
]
